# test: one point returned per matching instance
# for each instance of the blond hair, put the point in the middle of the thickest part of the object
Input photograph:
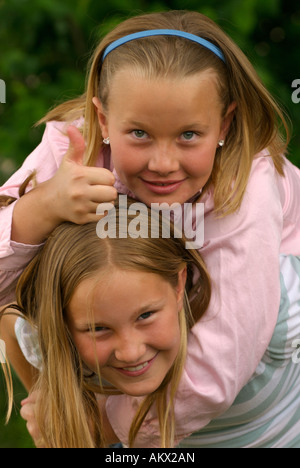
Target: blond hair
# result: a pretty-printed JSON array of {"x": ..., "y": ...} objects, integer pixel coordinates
[
  {"x": 67, "y": 414},
  {"x": 257, "y": 121}
]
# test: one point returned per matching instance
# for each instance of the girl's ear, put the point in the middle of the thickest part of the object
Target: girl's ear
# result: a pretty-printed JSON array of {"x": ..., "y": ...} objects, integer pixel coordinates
[
  {"x": 102, "y": 119},
  {"x": 227, "y": 120},
  {"x": 180, "y": 288}
]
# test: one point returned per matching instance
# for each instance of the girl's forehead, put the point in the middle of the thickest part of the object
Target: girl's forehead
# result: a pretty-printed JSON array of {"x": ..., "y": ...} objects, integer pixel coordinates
[
  {"x": 133, "y": 93},
  {"x": 105, "y": 283},
  {"x": 136, "y": 74}
]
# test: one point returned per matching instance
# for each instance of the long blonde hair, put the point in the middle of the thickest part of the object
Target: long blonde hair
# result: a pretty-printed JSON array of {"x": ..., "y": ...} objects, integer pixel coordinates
[
  {"x": 258, "y": 120},
  {"x": 67, "y": 413}
]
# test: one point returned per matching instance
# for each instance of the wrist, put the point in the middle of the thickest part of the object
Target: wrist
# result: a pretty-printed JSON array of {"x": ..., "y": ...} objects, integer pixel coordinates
[
  {"x": 48, "y": 204},
  {"x": 34, "y": 216}
]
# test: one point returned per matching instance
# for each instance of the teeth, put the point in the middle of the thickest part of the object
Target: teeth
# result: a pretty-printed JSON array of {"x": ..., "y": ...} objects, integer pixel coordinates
[{"x": 137, "y": 368}]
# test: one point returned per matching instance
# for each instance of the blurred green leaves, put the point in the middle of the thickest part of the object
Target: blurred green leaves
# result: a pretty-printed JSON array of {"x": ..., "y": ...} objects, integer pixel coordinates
[
  {"x": 45, "y": 46},
  {"x": 13, "y": 435}
]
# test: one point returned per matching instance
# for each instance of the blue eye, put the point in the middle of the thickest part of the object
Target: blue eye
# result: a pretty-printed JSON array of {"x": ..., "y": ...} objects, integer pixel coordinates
[
  {"x": 187, "y": 136},
  {"x": 139, "y": 134},
  {"x": 97, "y": 329},
  {"x": 145, "y": 316}
]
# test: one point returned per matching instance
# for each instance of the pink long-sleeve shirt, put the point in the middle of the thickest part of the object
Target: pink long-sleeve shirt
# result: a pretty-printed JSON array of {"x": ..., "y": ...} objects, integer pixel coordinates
[{"x": 242, "y": 254}]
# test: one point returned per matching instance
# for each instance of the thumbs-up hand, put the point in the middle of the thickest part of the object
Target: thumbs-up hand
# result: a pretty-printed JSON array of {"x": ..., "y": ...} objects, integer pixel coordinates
[{"x": 78, "y": 189}]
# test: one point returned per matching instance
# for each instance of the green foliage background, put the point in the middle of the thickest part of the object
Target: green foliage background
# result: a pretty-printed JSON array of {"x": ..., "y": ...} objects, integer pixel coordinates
[{"x": 45, "y": 46}]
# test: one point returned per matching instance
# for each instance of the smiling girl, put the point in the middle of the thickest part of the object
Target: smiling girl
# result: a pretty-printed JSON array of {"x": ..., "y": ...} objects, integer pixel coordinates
[
  {"x": 111, "y": 308},
  {"x": 168, "y": 157},
  {"x": 136, "y": 348}
]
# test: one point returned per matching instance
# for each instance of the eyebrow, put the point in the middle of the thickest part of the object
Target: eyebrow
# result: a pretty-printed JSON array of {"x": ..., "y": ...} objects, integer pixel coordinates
[
  {"x": 134, "y": 124},
  {"x": 182, "y": 128},
  {"x": 131, "y": 122},
  {"x": 150, "y": 306}
]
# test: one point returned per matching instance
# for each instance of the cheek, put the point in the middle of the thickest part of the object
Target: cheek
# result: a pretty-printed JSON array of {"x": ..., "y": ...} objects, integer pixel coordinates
[
  {"x": 202, "y": 161},
  {"x": 126, "y": 162},
  {"x": 91, "y": 351},
  {"x": 167, "y": 336}
]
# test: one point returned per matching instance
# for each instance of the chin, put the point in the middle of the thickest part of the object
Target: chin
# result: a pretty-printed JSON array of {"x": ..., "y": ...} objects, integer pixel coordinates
[{"x": 140, "y": 392}]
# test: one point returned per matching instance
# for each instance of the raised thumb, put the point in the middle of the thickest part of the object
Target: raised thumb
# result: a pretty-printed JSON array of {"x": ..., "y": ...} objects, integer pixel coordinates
[{"x": 77, "y": 145}]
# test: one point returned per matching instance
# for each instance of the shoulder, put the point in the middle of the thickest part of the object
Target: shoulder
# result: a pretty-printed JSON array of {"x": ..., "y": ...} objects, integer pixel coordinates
[
  {"x": 259, "y": 215},
  {"x": 262, "y": 188},
  {"x": 8, "y": 318},
  {"x": 264, "y": 176},
  {"x": 263, "y": 162},
  {"x": 261, "y": 183},
  {"x": 263, "y": 166}
]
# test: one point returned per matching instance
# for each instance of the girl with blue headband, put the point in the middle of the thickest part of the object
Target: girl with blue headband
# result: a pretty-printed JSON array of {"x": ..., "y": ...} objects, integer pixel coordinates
[{"x": 175, "y": 113}]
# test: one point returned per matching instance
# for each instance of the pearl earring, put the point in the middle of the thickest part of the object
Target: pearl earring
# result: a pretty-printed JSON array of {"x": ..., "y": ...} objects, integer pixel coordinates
[
  {"x": 221, "y": 143},
  {"x": 106, "y": 141}
]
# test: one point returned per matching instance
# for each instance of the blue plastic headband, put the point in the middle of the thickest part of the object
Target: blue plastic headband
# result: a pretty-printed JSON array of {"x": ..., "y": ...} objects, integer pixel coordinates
[{"x": 164, "y": 32}]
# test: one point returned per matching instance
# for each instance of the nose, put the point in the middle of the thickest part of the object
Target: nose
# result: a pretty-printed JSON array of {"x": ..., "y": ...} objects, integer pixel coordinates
[
  {"x": 164, "y": 160},
  {"x": 130, "y": 349}
]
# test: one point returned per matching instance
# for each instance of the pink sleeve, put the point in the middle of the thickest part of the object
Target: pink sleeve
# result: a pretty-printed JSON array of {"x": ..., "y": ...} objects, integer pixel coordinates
[
  {"x": 225, "y": 347},
  {"x": 45, "y": 159}
]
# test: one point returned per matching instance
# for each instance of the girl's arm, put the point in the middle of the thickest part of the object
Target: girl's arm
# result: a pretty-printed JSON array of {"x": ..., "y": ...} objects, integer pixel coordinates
[
  {"x": 44, "y": 160},
  {"x": 23, "y": 369},
  {"x": 28, "y": 413},
  {"x": 66, "y": 190},
  {"x": 72, "y": 194}
]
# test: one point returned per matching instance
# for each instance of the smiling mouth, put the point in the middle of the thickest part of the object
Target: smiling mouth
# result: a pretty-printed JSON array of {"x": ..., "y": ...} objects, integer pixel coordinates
[
  {"x": 139, "y": 369},
  {"x": 163, "y": 188},
  {"x": 163, "y": 184},
  {"x": 136, "y": 368}
]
